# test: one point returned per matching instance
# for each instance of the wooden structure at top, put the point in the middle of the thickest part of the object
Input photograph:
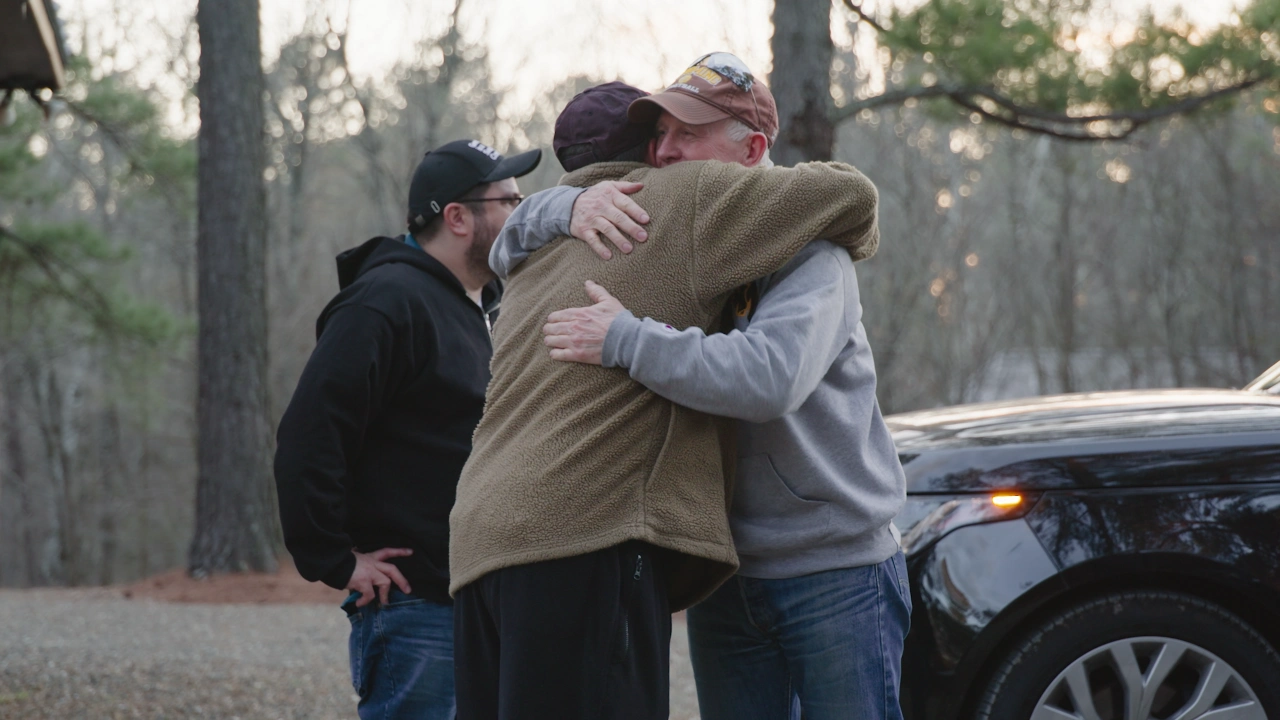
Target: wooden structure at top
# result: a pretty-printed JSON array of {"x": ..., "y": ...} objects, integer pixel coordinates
[{"x": 31, "y": 53}]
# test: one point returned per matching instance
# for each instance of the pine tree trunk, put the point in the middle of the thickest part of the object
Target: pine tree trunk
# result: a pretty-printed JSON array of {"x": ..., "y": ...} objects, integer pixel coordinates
[
  {"x": 235, "y": 509},
  {"x": 1066, "y": 266},
  {"x": 16, "y": 469},
  {"x": 801, "y": 80}
]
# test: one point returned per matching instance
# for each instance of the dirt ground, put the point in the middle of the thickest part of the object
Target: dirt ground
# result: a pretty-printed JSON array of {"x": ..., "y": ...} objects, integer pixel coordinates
[
  {"x": 283, "y": 587},
  {"x": 234, "y": 647}
]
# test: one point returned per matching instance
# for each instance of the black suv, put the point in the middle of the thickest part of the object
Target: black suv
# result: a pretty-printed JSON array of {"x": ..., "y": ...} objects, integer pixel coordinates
[{"x": 1095, "y": 556}]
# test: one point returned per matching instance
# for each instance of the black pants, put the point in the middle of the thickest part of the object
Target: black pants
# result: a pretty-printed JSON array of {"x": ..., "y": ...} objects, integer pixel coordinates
[{"x": 581, "y": 638}]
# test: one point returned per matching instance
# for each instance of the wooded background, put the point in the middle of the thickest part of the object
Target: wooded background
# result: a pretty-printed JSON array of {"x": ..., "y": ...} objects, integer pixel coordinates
[{"x": 1023, "y": 251}]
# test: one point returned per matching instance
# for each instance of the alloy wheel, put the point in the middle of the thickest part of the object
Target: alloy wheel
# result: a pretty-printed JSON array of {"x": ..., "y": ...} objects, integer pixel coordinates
[{"x": 1149, "y": 678}]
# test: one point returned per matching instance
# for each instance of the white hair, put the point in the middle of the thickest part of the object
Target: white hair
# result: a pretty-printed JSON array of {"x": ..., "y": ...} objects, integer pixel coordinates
[{"x": 738, "y": 131}]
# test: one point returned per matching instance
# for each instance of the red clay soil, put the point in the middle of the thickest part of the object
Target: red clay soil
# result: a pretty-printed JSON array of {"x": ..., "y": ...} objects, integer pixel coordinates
[{"x": 285, "y": 586}]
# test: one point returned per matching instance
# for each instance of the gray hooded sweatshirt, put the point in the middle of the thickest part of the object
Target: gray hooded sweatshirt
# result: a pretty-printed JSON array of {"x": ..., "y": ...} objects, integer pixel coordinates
[{"x": 818, "y": 479}]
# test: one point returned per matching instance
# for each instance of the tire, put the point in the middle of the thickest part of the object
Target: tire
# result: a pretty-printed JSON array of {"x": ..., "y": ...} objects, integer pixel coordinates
[{"x": 1115, "y": 644}]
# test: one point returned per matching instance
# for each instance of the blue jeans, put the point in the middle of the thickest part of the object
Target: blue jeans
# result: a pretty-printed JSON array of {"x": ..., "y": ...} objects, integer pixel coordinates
[
  {"x": 829, "y": 644},
  {"x": 402, "y": 657}
]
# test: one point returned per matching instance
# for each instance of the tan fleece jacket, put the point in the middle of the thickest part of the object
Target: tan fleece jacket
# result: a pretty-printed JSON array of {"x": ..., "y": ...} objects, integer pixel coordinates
[{"x": 572, "y": 458}]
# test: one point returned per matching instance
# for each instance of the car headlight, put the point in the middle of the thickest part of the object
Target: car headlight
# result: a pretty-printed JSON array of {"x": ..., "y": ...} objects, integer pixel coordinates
[{"x": 925, "y": 518}]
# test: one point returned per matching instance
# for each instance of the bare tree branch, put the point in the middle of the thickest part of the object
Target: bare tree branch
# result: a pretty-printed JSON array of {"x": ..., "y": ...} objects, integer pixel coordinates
[
  {"x": 367, "y": 139},
  {"x": 1055, "y": 124},
  {"x": 892, "y": 97},
  {"x": 863, "y": 16},
  {"x": 1141, "y": 116}
]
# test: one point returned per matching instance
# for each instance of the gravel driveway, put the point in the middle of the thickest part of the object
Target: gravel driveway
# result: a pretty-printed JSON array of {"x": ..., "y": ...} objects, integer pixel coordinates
[{"x": 94, "y": 654}]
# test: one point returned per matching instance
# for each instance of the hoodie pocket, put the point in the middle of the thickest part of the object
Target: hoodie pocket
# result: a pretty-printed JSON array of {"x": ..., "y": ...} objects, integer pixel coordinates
[{"x": 768, "y": 517}]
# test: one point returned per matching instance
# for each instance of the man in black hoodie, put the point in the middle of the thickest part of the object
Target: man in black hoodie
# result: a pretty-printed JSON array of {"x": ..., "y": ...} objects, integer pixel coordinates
[{"x": 375, "y": 437}]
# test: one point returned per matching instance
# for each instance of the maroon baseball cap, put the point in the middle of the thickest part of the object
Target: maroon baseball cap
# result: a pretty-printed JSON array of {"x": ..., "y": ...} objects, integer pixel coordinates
[
  {"x": 715, "y": 87},
  {"x": 594, "y": 126}
]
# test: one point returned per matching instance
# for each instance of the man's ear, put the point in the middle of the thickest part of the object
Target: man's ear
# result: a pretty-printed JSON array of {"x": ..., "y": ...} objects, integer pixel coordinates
[
  {"x": 757, "y": 144},
  {"x": 457, "y": 219}
]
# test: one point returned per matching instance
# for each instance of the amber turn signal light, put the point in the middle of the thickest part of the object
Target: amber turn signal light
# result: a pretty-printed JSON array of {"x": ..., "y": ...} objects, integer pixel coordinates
[{"x": 1006, "y": 500}]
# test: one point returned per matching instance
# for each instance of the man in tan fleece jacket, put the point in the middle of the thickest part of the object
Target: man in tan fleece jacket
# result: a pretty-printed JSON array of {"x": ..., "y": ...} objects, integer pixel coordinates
[{"x": 591, "y": 507}]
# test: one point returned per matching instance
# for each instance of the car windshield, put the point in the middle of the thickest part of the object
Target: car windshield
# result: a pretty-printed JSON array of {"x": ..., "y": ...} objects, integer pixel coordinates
[{"x": 1268, "y": 382}]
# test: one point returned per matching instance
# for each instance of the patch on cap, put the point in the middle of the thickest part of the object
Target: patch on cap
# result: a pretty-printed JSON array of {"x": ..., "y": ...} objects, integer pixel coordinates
[
  {"x": 477, "y": 145},
  {"x": 715, "y": 67}
]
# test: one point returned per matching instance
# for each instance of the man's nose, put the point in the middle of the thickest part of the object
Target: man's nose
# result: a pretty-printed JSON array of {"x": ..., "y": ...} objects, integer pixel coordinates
[{"x": 667, "y": 152}]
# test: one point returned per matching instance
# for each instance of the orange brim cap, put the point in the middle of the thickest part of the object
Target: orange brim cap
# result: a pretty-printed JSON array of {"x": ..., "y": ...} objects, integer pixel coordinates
[{"x": 684, "y": 106}]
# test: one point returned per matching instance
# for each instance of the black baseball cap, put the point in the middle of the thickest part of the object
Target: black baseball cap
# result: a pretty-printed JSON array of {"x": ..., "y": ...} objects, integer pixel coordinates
[
  {"x": 448, "y": 172},
  {"x": 594, "y": 126}
]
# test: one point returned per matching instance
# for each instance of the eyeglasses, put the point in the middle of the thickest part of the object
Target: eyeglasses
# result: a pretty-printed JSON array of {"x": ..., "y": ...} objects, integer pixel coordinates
[{"x": 513, "y": 200}]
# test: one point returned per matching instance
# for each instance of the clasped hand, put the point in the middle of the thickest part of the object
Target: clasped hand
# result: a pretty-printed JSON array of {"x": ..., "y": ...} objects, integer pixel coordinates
[{"x": 577, "y": 334}]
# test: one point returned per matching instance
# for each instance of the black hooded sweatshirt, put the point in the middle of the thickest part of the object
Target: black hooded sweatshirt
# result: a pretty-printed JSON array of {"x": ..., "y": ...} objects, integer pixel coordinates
[{"x": 372, "y": 444}]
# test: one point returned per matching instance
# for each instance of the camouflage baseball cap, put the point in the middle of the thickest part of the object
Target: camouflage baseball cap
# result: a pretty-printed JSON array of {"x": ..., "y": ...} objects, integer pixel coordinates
[{"x": 716, "y": 86}]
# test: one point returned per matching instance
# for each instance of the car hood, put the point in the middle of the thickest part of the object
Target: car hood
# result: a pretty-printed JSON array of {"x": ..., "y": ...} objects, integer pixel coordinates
[{"x": 1015, "y": 443}]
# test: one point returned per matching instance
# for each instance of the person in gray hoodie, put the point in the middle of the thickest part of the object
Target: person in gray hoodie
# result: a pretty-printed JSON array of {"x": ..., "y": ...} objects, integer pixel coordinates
[{"x": 816, "y": 617}]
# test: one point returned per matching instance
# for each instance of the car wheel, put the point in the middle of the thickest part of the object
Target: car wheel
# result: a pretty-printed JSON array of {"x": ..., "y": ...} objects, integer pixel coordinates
[{"x": 1139, "y": 655}]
